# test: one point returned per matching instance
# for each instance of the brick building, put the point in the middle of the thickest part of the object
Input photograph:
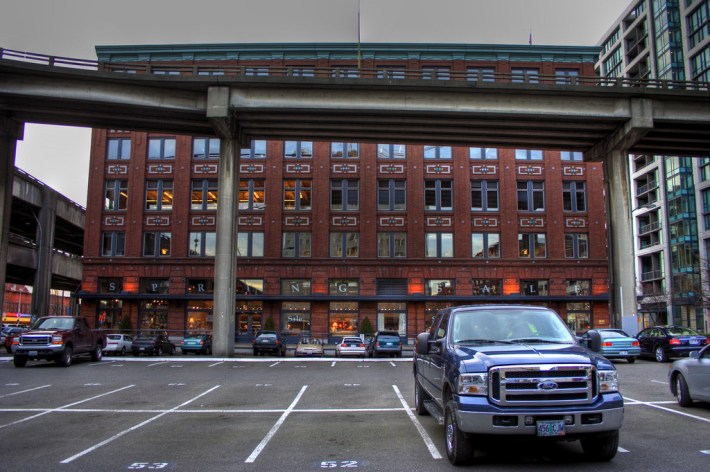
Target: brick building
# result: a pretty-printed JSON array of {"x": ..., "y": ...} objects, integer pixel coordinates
[{"x": 333, "y": 233}]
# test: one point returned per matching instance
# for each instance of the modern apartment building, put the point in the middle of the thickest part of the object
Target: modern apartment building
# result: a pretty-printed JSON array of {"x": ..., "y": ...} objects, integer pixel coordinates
[
  {"x": 668, "y": 40},
  {"x": 333, "y": 235}
]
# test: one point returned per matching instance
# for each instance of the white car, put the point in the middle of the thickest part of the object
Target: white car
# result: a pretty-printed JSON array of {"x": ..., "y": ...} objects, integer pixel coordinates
[
  {"x": 118, "y": 344},
  {"x": 351, "y": 346},
  {"x": 689, "y": 378}
]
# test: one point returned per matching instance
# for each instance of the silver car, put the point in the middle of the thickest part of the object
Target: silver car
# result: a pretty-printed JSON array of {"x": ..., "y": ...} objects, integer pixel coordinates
[
  {"x": 689, "y": 378},
  {"x": 118, "y": 344}
]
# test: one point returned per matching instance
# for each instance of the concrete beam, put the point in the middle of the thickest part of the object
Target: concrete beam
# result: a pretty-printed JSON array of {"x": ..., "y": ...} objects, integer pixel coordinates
[
  {"x": 640, "y": 123},
  {"x": 10, "y": 132}
]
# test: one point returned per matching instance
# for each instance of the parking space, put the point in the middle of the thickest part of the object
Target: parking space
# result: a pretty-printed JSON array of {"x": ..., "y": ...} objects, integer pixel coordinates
[{"x": 268, "y": 414}]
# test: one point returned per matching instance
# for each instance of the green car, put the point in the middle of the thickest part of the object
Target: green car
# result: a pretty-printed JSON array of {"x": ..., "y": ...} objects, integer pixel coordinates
[{"x": 197, "y": 343}]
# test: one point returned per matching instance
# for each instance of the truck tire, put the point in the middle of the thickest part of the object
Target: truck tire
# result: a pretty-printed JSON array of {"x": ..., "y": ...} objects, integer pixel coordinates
[
  {"x": 419, "y": 397},
  {"x": 601, "y": 448},
  {"x": 19, "y": 361},
  {"x": 97, "y": 353},
  {"x": 459, "y": 448},
  {"x": 681, "y": 390},
  {"x": 65, "y": 357}
]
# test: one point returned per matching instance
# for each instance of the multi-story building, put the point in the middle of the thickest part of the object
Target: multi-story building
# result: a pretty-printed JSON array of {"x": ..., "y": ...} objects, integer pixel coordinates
[
  {"x": 667, "y": 40},
  {"x": 333, "y": 236}
]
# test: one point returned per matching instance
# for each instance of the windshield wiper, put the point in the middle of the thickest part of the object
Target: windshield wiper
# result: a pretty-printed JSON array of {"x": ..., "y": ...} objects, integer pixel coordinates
[
  {"x": 539, "y": 341},
  {"x": 482, "y": 341}
]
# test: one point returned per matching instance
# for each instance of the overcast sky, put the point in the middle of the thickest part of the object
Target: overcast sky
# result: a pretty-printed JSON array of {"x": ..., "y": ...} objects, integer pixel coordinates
[{"x": 72, "y": 28}]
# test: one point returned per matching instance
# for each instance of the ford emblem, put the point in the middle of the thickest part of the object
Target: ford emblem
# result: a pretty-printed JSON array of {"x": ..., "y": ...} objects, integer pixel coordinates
[{"x": 547, "y": 385}]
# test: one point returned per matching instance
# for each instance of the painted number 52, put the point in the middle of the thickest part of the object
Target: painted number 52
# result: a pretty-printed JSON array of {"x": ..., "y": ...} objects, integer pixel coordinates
[{"x": 338, "y": 465}]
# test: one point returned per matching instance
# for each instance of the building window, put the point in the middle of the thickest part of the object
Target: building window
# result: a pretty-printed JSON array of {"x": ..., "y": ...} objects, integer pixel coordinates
[
  {"x": 250, "y": 244},
  {"x": 531, "y": 196},
  {"x": 344, "y": 194},
  {"x": 437, "y": 152},
  {"x": 298, "y": 149},
  {"x": 439, "y": 245},
  {"x": 156, "y": 244},
  {"x": 575, "y": 156},
  {"x": 484, "y": 195},
  {"x": 159, "y": 195},
  {"x": 391, "y": 151},
  {"x": 344, "y": 72},
  {"x": 566, "y": 76},
  {"x": 343, "y": 319},
  {"x": 436, "y": 73},
  {"x": 391, "y": 72},
  {"x": 574, "y": 196},
  {"x": 202, "y": 244},
  {"x": 439, "y": 195},
  {"x": 391, "y": 244},
  {"x": 297, "y": 194},
  {"x": 161, "y": 148},
  {"x": 296, "y": 244},
  {"x": 110, "y": 284},
  {"x": 296, "y": 318},
  {"x": 528, "y": 155},
  {"x": 296, "y": 287},
  {"x": 524, "y": 75},
  {"x": 392, "y": 316},
  {"x": 205, "y": 148},
  {"x": 116, "y": 195},
  {"x": 257, "y": 150},
  {"x": 200, "y": 286},
  {"x": 486, "y": 287},
  {"x": 154, "y": 286},
  {"x": 250, "y": 286},
  {"x": 576, "y": 246},
  {"x": 256, "y": 71},
  {"x": 349, "y": 150},
  {"x": 302, "y": 71},
  {"x": 532, "y": 245},
  {"x": 252, "y": 194},
  {"x": 344, "y": 244},
  {"x": 481, "y": 74},
  {"x": 438, "y": 287},
  {"x": 113, "y": 243},
  {"x": 343, "y": 287},
  {"x": 704, "y": 164},
  {"x": 579, "y": 288},
  {"x": 110, "y": 314},
  {"x": 534, "y": 288},
  {"x": 204, "y": 194},
  {"x": 489, "y": 154},
  {"x": 485, "y": 245},
  {"x": 119, "y": 149},
  {"x": 199, "y": 316},
  {"x": 153, "y": 315},
  {"x": 392, "y": 195}
]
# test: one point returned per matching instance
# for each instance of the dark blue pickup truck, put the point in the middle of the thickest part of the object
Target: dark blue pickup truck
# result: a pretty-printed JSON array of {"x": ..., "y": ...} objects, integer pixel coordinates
[{"x": 515, "y": 370}]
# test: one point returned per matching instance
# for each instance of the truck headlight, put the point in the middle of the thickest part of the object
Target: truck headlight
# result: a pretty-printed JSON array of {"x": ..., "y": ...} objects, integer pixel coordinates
[
  {"x": 57, "y": 339},
  {"x": 473, "y": 384},
  {"x": 608, "y": 381}
]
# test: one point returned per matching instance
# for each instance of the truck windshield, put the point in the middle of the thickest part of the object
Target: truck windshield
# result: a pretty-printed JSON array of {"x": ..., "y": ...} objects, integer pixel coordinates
[
  {"x": 54, "y": 323},
  {"x": 509, "y": 325}
]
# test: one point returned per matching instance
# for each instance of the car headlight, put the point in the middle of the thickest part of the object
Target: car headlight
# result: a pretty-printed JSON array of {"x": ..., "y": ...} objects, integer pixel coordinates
[
  {"x": 473, "y": 384},
  {"x": 608, "y": 381}
]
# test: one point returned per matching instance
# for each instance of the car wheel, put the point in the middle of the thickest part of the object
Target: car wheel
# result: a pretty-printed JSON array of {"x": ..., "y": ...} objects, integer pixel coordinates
[
  {"x": 97, "y": 353},
  {"x": 19, "y": 361},
  {"x": 123, "y": 351},
  {"x": 630, "y": 360},
  {"x": 172, "y": 350},
  {"x": 65, "y": 357},
  {"x": 601, "y": 448},
  {"x": 159, "y": 351},
  {"x": 459, "y": 448},
  {"x": 660, "y": 354},
  {"x": 682, "y": 393},
  {"x": 419, "y": 397}
]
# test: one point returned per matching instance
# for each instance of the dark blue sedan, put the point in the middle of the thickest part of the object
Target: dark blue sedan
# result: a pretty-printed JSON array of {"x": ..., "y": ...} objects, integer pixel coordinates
[{"x": 666, "y": 342}]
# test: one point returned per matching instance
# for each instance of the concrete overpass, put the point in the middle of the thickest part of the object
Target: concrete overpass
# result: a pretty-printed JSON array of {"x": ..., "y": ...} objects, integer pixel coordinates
[{"x": 606, "y": 119}]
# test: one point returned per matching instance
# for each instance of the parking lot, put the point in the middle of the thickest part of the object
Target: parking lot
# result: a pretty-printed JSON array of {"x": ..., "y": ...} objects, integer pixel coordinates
[{"x": 192, "y": 413}]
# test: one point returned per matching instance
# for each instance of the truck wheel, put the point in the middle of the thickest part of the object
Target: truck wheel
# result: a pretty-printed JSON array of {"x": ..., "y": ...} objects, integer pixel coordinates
[
  {"x": 682, "y": 393},
  {"x": 19, "y": 361},
  {"x": 601, "y": 448},
  {"x": 660, "y": 354},
  {"x": 459, "y": 448},
  {"x": 97, "y": 353},
  {"x": 419, "y": 397},
  {"x": 65, "y": 357}
]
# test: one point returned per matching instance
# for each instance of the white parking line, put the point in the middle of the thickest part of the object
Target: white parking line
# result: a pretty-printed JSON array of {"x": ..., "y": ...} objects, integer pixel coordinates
[
  {"x": 422, "y": 432},
  {"x": 252, "y": 457},
  {"x": 655, "y": 405},
  {"x": 133, "y": 428},
  {"x": 23, "y": 391},
  {"x": 63, "y": 407},
  {"x": 216, "y": 363}
]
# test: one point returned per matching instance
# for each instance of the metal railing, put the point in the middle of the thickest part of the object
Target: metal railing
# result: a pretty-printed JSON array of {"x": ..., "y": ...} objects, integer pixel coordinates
[{"x": 386, "y": 75}]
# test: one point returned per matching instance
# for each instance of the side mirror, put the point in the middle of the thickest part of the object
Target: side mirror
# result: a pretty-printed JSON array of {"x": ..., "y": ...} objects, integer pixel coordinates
[
  {"x": 694, "y": 354},
  {"x": 422, "y": 344},
  {"x": 595, "y": 341}
]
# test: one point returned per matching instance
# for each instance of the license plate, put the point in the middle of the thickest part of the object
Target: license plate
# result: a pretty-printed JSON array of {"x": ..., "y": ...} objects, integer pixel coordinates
[
  {"x": 551, "y": 428},
  {"x": 33, "y": 353},
  {"x": 695, "y": 342},
  {"x": 623, "y": 353}
]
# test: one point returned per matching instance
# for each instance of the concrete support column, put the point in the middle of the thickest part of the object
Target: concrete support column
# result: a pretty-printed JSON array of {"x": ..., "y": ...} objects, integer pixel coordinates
[
  {"x": 622, "y": 263},
  {"x": 225, "y": 271},
  {"x": 10, "y": 132},
  {"x": 46, "y": 221}
]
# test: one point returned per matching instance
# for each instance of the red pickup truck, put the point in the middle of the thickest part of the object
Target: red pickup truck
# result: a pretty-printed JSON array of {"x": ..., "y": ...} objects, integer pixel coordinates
[{"x": 59, "y": 339}]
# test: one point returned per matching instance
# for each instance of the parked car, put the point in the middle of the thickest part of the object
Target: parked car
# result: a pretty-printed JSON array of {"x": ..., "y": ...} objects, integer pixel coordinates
[
  {"x": 152, "y": 344},
  {"x": 350, "y": 346},
  {"x": 197, "y": 343},
  {"x": 269, "y": 342},
  {"x": 385, "y": 343},
  {"x": 666, "y": 342},
  {"x": 309, "y": 347},
  {"x": 689, "y": 379},
  {"x": 8, "y": 333},
  {"x": 118, "y": 344},
  {"x": 616, "y": 344}
]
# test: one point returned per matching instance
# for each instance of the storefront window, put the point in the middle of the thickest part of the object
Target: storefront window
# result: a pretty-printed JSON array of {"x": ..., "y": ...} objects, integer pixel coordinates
[
  {"x": 199, "y": 317},
  {"x": 392, "y": 317},
  {"x": 153, "y": 316},
  {"x": 249, "y": 317},
  {"x": 296, "y": 318},
  {"x": 109, "y": 316},
  {"x": 579, "y": 317},
  {"x": 343, "y": 318}
]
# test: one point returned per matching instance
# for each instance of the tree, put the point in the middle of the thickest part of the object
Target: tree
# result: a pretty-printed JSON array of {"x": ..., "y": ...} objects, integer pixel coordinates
[
  {"x": 269, "y": 324},
  {"x": 366, "y": 327}
]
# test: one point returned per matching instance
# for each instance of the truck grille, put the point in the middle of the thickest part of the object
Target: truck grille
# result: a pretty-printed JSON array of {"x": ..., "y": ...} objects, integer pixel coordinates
[
  {"x": 542, "y": 385},
  {"x": 35, "y": 340}
]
